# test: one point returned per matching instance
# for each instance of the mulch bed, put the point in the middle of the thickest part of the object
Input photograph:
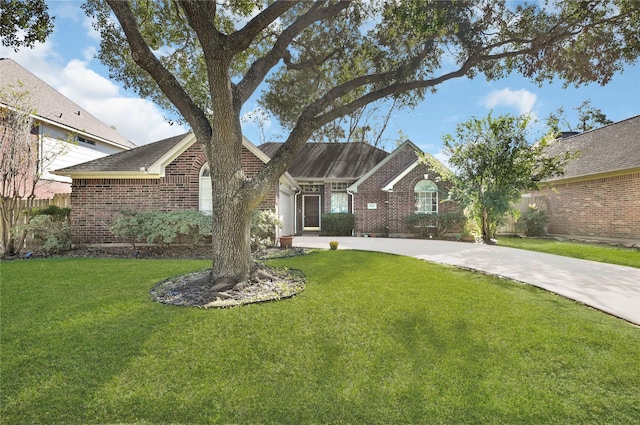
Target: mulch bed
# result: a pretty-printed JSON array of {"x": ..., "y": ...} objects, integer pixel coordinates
[{"x": 268, "y": 284}]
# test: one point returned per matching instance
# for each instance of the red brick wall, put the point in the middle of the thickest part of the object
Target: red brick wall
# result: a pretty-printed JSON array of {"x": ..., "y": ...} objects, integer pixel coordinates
[
  {"x": 375, "y": 221},
  {"x": 96, "y": 203},
  {"x": 393, "y": 207},
  {"x": 605, "y": 208},
  {"x": 402, "y": 199}
]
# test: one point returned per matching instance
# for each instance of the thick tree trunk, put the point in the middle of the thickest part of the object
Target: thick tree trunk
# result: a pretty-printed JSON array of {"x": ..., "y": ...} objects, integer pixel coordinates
[
  {"x": 231, "y": 245},
  {"x": 232, "y": 205}
]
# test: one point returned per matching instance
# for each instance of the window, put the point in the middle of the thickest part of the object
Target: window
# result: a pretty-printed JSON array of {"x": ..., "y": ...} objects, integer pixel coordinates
[
  {"x": 206, "y": 196},
  {"x": 339, "y": 197},
  {"x": 339, "y": 202},
  {"x": 426, "y": 197},
  {"x": 85, "y": 141},
  {"x": 311, "y": 188},
  {"x": 339, "y": 187}
]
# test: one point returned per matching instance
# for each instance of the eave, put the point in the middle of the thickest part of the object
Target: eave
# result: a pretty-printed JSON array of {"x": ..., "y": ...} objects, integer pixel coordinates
[{"x": 589, "y": 177}]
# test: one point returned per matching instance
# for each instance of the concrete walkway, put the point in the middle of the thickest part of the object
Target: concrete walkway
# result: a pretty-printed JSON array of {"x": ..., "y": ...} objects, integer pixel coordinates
[{"x": 610, "y": 288}]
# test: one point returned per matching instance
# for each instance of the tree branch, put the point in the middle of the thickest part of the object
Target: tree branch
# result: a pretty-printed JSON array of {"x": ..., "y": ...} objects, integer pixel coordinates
[
  {"x": 242, "y": 39},
  {"x": 259, "y": 69},
  {"x": 145, "y": 58}
]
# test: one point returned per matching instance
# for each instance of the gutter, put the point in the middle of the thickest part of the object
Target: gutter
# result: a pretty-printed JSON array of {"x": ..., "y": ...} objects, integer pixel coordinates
[{"x": 353, "y": 209}]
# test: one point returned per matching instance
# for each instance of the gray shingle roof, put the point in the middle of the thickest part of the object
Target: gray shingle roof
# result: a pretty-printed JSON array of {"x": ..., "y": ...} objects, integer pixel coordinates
[
  {"x": 53, "y": 106},
  {"x": 612, "y": 148},
  {"x": 348, "y": 161},
  {"x": 127, "y": 161}
]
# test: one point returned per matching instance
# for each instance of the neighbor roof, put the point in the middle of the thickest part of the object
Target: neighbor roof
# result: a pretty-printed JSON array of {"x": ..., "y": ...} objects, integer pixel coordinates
[
  {"x": 612, "y": 149},
  {"x": 130, "y": 161},
  {"x": 52, "y": 106},
  {"x": 326, "y": 161}
]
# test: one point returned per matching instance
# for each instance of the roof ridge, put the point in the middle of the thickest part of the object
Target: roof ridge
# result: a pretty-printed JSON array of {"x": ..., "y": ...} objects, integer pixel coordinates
[{"x": 601, "y": 128}]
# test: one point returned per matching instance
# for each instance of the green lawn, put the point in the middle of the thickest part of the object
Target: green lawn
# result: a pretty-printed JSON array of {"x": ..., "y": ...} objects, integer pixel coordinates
[
  {"x": 605, "y": 254},
  {"x": 373, "y": 339}
]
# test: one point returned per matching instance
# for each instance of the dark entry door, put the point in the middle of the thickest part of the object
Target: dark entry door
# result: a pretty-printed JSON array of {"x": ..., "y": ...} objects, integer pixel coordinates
[{"x": 311, "y": 212}]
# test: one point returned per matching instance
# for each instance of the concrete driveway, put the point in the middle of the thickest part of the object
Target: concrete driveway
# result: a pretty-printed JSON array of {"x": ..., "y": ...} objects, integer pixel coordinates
[{"x": 607, "y": 287}]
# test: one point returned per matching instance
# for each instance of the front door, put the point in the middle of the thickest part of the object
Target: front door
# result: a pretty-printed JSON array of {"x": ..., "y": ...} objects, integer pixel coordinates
[{"x": 311, "y": 212}]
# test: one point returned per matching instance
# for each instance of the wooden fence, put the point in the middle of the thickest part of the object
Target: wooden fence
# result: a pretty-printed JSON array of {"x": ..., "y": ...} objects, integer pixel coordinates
[
  {"x": 509, "y": 228},
  {"x": 62, "y": 200}
]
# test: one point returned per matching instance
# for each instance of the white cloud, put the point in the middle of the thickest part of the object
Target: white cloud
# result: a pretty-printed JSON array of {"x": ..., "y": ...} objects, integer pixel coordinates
[
  {"x": 139, "y": 120},
  {"x": 522, "y": 100},
  {"x": 443, "y": 158},
  {"x": 89, "y": 53},
  {"x": 40, "y": 60},
  {"x": 82, "y": 85},
  {"x": 87, "y": 22}
]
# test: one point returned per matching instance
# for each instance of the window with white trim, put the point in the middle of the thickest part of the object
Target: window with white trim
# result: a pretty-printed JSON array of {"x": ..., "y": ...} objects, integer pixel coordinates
[
  {"x": 426, "y": 194},
  {"x": 339, "y": 197},
  {"x": 310, "y": 188},
  {"x": 205, "y": 195}
]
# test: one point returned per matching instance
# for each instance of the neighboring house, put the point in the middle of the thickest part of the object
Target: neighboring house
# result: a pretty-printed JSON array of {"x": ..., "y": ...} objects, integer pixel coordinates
[
  {"x": 381, "y": 189},
  {"x": 63, "y": 127},
  {"x": 168, "y": 175},
  {"x": 599, "y": 194}
]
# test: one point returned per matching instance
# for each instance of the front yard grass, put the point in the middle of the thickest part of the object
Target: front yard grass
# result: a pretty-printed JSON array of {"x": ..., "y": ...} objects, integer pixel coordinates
[
  {"x": 374, "y": 338},
  {"x": 604, "y": 254}
]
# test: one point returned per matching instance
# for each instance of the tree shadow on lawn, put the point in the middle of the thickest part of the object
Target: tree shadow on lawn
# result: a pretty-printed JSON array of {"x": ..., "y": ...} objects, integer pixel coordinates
[{"x": 72, "y": 337}]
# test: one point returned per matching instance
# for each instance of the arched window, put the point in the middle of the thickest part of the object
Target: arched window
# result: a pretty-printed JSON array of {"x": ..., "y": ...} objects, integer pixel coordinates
[
  {"x": 426, "y": 197},
  {"x": 206, "y": 197}
]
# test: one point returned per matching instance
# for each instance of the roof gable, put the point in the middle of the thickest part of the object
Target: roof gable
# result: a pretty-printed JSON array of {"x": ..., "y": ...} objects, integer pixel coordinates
[
  {"x": 55, "y": 108},
  {"x": 406, "y": 144},
  {"x": 612, "y": 149},
  {"x": 329, "y": 161}
]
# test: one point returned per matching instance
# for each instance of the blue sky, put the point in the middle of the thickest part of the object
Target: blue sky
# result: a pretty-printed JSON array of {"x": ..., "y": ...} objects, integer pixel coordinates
[{"x": 66, "y": 61}]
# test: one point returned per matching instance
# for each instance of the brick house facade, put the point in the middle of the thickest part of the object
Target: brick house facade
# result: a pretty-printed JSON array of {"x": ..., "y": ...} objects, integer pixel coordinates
[
  {"x": 606, "y": 207},
  {"x": 376, "y": 186},
  {"x": 104, "y": 188},
  {"x": 599, "y": 194},
  {"x": 386, "y": 196}
]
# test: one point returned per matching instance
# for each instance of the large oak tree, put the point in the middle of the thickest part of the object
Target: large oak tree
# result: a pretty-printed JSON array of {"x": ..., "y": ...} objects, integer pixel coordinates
[{"x": 317, "y": 61}]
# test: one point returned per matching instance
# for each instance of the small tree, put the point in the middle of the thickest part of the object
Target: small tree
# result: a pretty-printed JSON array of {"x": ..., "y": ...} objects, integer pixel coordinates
[
  {"x": 21, "y": 163},
  {"x": 493, "y": 162}
]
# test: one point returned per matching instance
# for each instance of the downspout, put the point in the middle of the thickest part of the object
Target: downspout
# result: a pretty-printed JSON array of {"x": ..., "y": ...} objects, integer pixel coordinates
[
  {"x": 295, "y": 211},
  {"x": 353, "y": 208}
]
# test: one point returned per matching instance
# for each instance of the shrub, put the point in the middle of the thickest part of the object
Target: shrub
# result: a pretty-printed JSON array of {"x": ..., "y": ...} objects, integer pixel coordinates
[
  {"x": 55, "y": 212},
  {"x": 533, "y": 221},
  {"x": 164, "y": 228},
  {"x": 333, "y": 245},
  {"x": 263, "y": 226},
  {"x": 438, "y": 223},
  {"x": 338, "y": 224},
  {"x": 54, "y": 233}
]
